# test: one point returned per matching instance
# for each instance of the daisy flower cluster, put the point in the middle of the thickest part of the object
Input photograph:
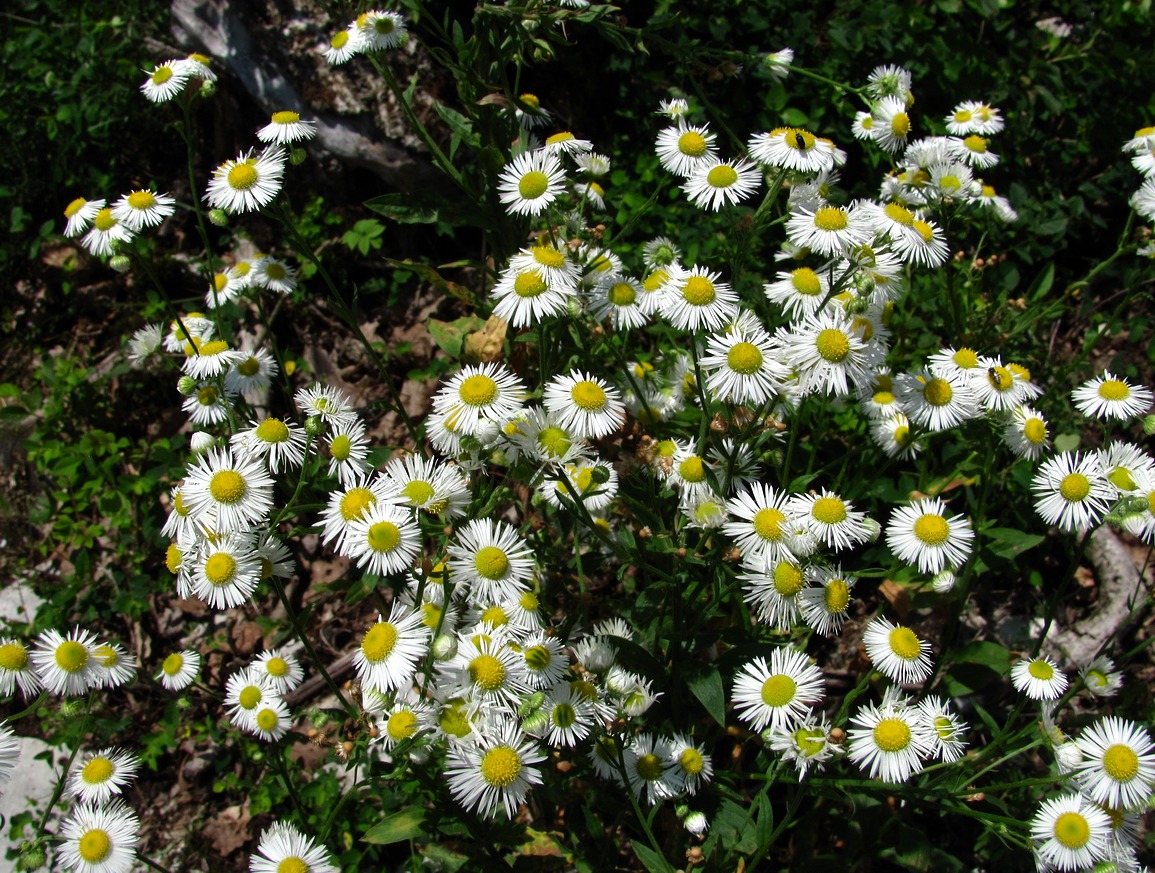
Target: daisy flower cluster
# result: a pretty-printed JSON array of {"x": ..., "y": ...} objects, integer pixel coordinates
[
  {"x": 66, "y": 664},
  {"x": 105, "y": 230},
  {"x": 171, "y": 78},
  {"x": 1141, "y": 148},
  {"x": 372, "y": 31}
]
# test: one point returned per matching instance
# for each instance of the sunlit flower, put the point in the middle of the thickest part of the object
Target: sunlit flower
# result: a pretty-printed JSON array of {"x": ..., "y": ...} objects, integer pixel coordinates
[
  {"x": 890, "y": 742},
  {"x": 248, "y": 183},
  {"x": 179, "y": 670},
  {"x": 64, "y": 662},
  {"x": 142, "y": 209},
  {"x": 1038, "y": 678},
  {"x": 1070, "y": 833},
  {"x": 165, "y": 82},
  {"x": 1107, "y": 396},
  {"x": 1071, "y": 491},
  {"x": 779, "y": 694},
  {"x": 681, "y": 149},
  {"x": 714, "y": 184},
  {"x": 99, "y": 775},
  {"x": 531, "y": 183},
  {"x": 1118, "y": 768},
  {"x": 923, "y": 534},
  {"x": 99, "y": 839},
  {"x": 284, "y": 849},
  {"x": 494, "y": 773},
  {"x": 897, "y": 652}
]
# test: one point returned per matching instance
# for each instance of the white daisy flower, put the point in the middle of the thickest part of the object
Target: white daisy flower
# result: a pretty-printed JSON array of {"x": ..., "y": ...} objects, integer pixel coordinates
[
  {"x": 1070, "y": 833},
  {"x": 281, "y": 443},
  {"x": 922, "y": 534},
  {"x": 889, "y": 80},
  {"x": 479, "y": 395},
  {"x": 494, "y": 773},
  {"x": 165, "y": 82},
  {"x": 100, "y": 839},
  {"x": 112, "y": 664},
  {"x": 972, "y": 116},
  {"x": 695, "y": 299},
  {"x": 379, "y": 29},
  {"x": 432, "y": 486},
  {"x": 947, "y": 728},
  {"x": 385, "y": 540},
  {"x": 64, "y": 662},
  {"x": 274, "y": 274},
  {"x": 529, "y": 114},
  {"x": 226, "y": 492},
  {"x": 282, "y": 671},
  {"x": 807, "y": 746},
  {"x": 80, "y": 214},
  {"x": 271, "y": 719},
  {"x": 1071, "y": 491},
  {"x": 897, "y": 652},
  {"x": 491, "y": 559},
  {"x": 101, "y": 774},
  {"x": 1107, "y": 396},
  {"x": 773, "y": 591},
  {"x": 16, "y": 670},
  {"x": 647, "y": 770},
  {"x": 937, "y": 399},
  {"x": 569, "y": 716},
  {"x": 890, "y": 742},
  {"x": 1038, "y": 678},
  {"x": 831, "y": 520},
  {"x": 106, "y": 233},
  {"x": 143, "y": 208},
  {"x": 1027, "y": 433},
  {"x": 248, "y": 183},
  {"x": 799, "y": 292},
  {"x": 283, "y": 848},
  {"x": 681, "y": 149},
  {"x": 196, "y": 66},
  {"x": 326, "y": 401},
  {"x": 352, "y": 504},
  {"x": 1101, "y": 678},
  {"x": 531, "y": 182},
  {"x": 1118, "y": 768},
  {"x": 825, "y": 602},
  {"x": 9, "y": 753},
  {"x": 779, "y": 694},
  {"x": 584, "y": 404},
  {"x": 974, "y": 150},
  {"x": 406, "y": 719},
  {"x": 715, "y": 184},
  {"x": 179, "y": 670},
  {"x": 792, "y": 148},
  {"x": 989, "y": 200},
  {"x": 348, "y": 451},
  {"x": 829, "y": 355},
  {"x": 894, "y": 436},
  {"x": 618, "y": 298},
  {"x": 892, "y": 124},
  {"x": 741, "y": 366},
  {"x": 830, "y": 230},
  {"x": 286, "y": 127},
  {"x": 526, "y": 296}
]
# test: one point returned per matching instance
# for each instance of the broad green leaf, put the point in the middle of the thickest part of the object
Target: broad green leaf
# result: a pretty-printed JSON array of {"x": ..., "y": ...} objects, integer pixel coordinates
[
  {"x": 450, "y": 335},
  {"x": 653, "y": 862},
  {"x": 706, "y": 685},
  {"x": 1008, "y": 542},
  {"x": 398, "y": 827}
]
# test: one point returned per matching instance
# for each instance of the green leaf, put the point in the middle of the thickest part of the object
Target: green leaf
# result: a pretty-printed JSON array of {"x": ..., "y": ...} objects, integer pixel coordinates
[
  {"x": 402, "y": 208},
  {"x": 634, "y": 657},
  {"x": 706, "y": 685},
  {"x": 976, "y": 666},
  {"x": 764, "y": 824},
  {"x": 1067, "y": 442},
  {"x": 459, "y": 124},
  {"x": 1009, "y": 543},
  {"x": 434, "y": 278},
  {"x": 398, "y": 827},
  {"x": 450, "y": 335},
  {"x": 1042, "y": 283},
  {"x": 653, "y": 862}
]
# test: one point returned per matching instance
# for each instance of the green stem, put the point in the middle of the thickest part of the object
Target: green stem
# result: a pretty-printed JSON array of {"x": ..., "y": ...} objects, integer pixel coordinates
[{"x": 59, "y": 790}]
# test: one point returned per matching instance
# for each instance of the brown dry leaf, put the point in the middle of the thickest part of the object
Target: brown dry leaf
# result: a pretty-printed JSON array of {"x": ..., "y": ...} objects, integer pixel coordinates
[
  {"x": 228, "y": 830},
  {"x": 1085, "y": 576},
  {"x": 898, "y": 596},
  {"x": 488, "y": 344},
  {"x": 246, "y": 635}
]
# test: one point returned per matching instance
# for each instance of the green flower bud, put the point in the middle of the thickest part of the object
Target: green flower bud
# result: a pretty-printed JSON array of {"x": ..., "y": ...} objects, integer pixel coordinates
[
  {"x": 531, "y": 704},
  {"x": 219, "y": 217},
  {"x": 187, "y": 386},
  {"x": 1149, "y": 425},
  {"x": 120, "y": 263},
  {"x": 32, "y": 856},
  {"x": 314, "y": 425}
]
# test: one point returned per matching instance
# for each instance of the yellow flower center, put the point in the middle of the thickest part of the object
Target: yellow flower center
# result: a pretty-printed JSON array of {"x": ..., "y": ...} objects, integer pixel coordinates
[
  {"x": 950, "y": 183},
  {"x": 622, "y": 294},
  {"x": 94, "y": 846},
  {"x": 648, "y": 767},
  {"x": 285, "y": 117},
  {"x": 904, "y": 643},
  {"x": 655, "y": 280},
  {"x": 564, "y": 136},
  {"x": 692, "y": 469},
  {"x": 589, "y": 396},
  {"x": 1121, "y": 478},
  {"x": 965, "y": 359},
  {"x": 799, "y": 139},
  {"x": 478, "y": 390},
  {"x": 530, "y": 100},
  {"x": 293, "y": 864},
  {"x": 833, "y": 345},
  {"x": 830, "y": 218},
  {"x": 549, "y": 257},
  {"x": 494, "y": 615},
  {"x": 339, "y": 39},
  {"x": 962, "y": 116},
  {"x": 378, "y": 642},
  {"x": 937, "y": 392},
  {"x": 931, "y": 529},
  {"x": 900, "y": 124},
  {"x": 691, "y": 761},
  {"x": 267, "y": 719},
  {"x": 692, "y": 144},
  {"x": 529, "y": 285},
  {"x": 1041, "y": 670},
  {"x": 172, "y": 664},
  {"x": 141, "y": 200},
  {"x": 809, "y": 741},
  {"x": 384, "y": 536},
  {"x": 454, "y": 721},
  {"x": 721, "y": 176},
  {"x": 892, "y": 735},
  {"x": 13, "y": 656},
  {"x": 528, "y": 601},
  {"x": 250, "y": 697},
  {"x": 97, "y": 770},
  {"x": 836, "y": 596},
  {"x": 491, "y": 562},
  {"x": 778, "y": 690},
  {"x": 272, "y": 430},
  {"x": 788, "y": 579},
  {"x": 767, "y": 523},
  {"x": 1121, "y": 763},
  {"x": 74, "y": 207},
  {"x": 975, "y": 143},
  {"x": 162, "y": 75},
  {"x": 227, "y": 486},
  {"x": 355, "y": 502},
  {"x": 554, "y": 441},
  {"x": 220, "y": 568},
  {"x": 418, "y": 492},
  {"x": 806, "y": 282},
  {"x": 698, "y": 291},
  {"x": 1114, "y": 389},
  {"x": 898, "y": 213},
  {"x": 500, "y": 766},
  {"x": 829, "y": 510},
  {"x": 744, "y": 358},
  {"x": 1074, "y": 487},
  {"x": 538, "y": 658},
  {"x": 249, "y": 367},
  {"x": 1072, "y": 830},
  {"x": 104, "y": 221},
  {"x": 563, "y": 715},
  {"x": 924, "y": 229},
  {"x": 71, "y": 656},
  {"x": 401, "y": 725},
  {"x": 487, "y": 672},
  {"x": 533, "y": 184},
  {"x": 243, "y": 176},
  {"x": 275, "y": 271}
]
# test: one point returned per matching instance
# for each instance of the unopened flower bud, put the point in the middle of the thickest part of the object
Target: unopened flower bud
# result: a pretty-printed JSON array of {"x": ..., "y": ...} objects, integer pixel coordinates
[
  {"x": 873, "y": 528},
  {"x": 120, "y": 263},
  {"x": 943, "y": 581},
  {"x": 200, "y": 442},
  {"x": 444, "y": 647},
  {"x": 314, "y": 425},
  {"x": 864, "y": 283},
  {"x": 71, "y": 708},
  {"x": 681, "y": 810},
  {"x": 1149, "y": 425},
  {"x": 536, "y": 723},
  {"x": 187, "y": 386},
  {"x": 207, "y": 89},
  {"x": 318, "y": 718},
  {"x": 219, "y": 217},
  {"x": 32, "y": 855},
  {"x": 531, "y": 704},
  {"x": 696, "y": 823},
  {"x": 599, "y": 475}
]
